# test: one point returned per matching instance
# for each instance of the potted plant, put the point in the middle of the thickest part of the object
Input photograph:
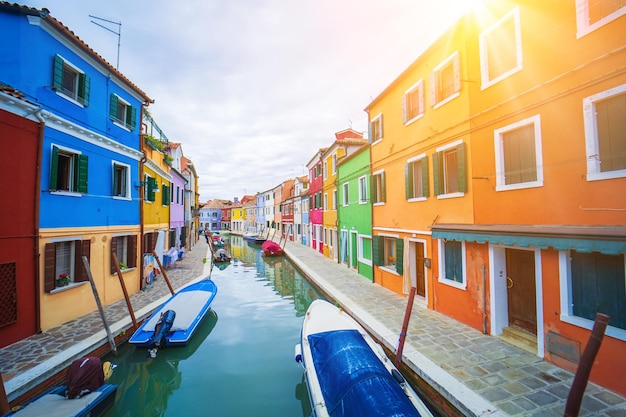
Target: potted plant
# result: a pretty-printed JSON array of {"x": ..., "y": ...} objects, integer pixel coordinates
[{"x": 63, "y": 280}]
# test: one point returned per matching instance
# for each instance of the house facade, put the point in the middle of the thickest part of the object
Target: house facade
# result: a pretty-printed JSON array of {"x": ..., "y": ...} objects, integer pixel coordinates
[
  {"x": 354, "y": 212},
  {"x": 316, "y": 214},
  {"x": 497, "y": 164},
  {"x": 89, "y": 159}
]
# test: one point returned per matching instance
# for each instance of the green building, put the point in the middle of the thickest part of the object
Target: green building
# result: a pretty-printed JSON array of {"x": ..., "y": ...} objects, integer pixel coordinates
[{"x": 354, "y": 212}]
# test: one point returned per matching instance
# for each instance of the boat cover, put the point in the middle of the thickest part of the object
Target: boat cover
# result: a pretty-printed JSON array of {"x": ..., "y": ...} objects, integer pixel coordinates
[
  {"x": 353, "y": 380},
  {"x": 271, "y": 248}
]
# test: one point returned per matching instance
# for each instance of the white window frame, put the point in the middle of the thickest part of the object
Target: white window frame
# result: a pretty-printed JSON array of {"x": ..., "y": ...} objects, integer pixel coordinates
[
  {"x": 363, "y": 189},
  {"x": 377, "y": 134},
  {"x": 121, "y": 123},
  {"x": 66, "y": 96},
  {"x": 411, "y": 161},
  {"x": 594, "y": 172},
  {"x": 335, "y": 199},
  {"x": 360, "y": 256},
  {"x": 325, "y": 202},
  {"x": 445, "y": 173},
  {"x": 435, "y": 79},
  {"x": 498, "y": 135},
  {"x": 442, "y": 266},
  {"x": 127, "y": 195},
  {"x": 333, "y": 162},
  {"x": 380, "y": 174},
  {"x": 582, "y": 18},
  {"x": 346, "y": 194},
  {"x": 486, "y": 81},
  {"x": 417, "y": 88},
  {"x": 325, "y": 169}
]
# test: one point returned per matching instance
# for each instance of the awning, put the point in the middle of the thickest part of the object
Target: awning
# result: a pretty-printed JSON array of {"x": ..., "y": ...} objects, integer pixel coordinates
[{"x": 610, "y": 240}]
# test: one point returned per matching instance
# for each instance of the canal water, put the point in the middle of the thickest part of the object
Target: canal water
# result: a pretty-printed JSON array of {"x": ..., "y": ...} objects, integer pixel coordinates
[{"x": 241, "y": 360}]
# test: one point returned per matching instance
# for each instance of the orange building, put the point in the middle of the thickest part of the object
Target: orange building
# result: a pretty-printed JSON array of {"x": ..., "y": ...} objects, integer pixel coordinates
[{"x": 530, "y": 238}]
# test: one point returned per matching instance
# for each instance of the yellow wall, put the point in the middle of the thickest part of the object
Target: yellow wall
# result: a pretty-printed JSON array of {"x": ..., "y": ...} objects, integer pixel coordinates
[
  {"x": 155, "y": 214},
  {"x": 329, "y": 186},
  {"x": 72, "y": 302}
]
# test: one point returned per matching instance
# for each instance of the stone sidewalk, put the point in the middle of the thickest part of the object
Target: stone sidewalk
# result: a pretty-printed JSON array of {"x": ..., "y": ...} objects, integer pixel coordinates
[{"x": 479, "y": 374}]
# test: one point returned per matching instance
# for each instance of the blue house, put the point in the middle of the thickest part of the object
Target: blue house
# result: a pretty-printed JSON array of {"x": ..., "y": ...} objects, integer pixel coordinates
[
  {"x": 89, "y": 193},
  {"x": 260, "y": 212}
]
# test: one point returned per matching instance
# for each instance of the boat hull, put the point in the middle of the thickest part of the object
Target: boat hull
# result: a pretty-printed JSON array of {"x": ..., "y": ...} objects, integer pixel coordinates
[
  {"x": 347, "y": 372},
  {"x": 191, "y": 304},
  {"x": 53, "y": 403}
]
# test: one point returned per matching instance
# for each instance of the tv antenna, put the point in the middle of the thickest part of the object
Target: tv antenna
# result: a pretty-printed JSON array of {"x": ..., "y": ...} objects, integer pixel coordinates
[{"x": 118, "y": 33}]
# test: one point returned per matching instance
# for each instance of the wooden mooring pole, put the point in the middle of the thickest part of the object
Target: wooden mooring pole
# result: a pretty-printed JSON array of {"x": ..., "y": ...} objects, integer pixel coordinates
[
  {"x": 100, "y": 309},
  {"x": 4, "y": 400},
  {"x": 405, "y": 326},
  {"x": 576, "y": 392},
  {"x": 167, "y": 280},
  {"x": 123, "y": 284}
]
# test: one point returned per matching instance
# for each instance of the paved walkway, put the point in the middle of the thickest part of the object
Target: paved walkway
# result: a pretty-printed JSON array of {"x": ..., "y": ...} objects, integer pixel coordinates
[{"x": 480, "y": 374}]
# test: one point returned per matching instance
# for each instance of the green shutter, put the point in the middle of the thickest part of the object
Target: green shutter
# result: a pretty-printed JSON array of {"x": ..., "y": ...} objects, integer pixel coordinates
[
  {"x": 165, "y": 195},
  {"x": 374, "y": 192},
  {"x": 408, "y": 180},
  {"x": 113, "y": 107},
  {"x": 425, "y": 182},
  {"x": 151, "y": 184},
  {"x": 377, "y": 250},
  {"x": 115, "y": 181},
  {"x": 84, "y": 86},
  {"x": 132, "y": 122},
  {"x": 437, "y": 180},
  {"x": 54, "y": 168},
  {"x": 383, "y": 187},
  {"x": 82, "y": 173},
  {"x": 57, "y": 72},
  {"x": 462, "y": 167},
  {"x": 400, "y": 256}
]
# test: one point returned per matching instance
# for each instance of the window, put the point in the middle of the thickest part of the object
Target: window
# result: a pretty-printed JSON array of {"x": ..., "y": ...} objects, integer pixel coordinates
[
  {"x": 122, "y": 113},
  {"x": 334, "y": 163},
  {"x": 605, "y": 133},
  {"x": 121, "y": 180},
  {"x": 445, "y": 81},
  {"x": 346, "y": 194},
  {"x": 165, "y": 195},
  {"x": 388, "y": 252},
  {"x": 69, "y": 81},
  {"x": 378, "y": 187},
  {"x": 362, "y": 190},
  {"x": 335, "y": 199},
  {"x": 598, "y": 285},
  {"x": 150, "y": 188},
  {"x": 501, "y": 49},
  {"x": 65, "y": 257},
  {"x": 518, "y": 155},
  {"x": 449, "y": 170},
  {"x": 68, "y": 171},
  {"x": 413, "y": 103},
  {"x": 325, "y": 169},
  {"x": 376, "y": 128},
  {"x": 452, "y": 256},
  {"x": 365, "y": 249},
  {"x": 125, "y": 248},
  {"x": 325, "y": 201},
  {"x": 593, "y": 14},
  {"x": 416, "y": 178}
]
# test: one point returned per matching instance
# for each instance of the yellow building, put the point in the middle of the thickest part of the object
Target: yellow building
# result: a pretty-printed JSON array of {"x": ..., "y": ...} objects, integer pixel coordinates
[{"x": 346, "y": 142}]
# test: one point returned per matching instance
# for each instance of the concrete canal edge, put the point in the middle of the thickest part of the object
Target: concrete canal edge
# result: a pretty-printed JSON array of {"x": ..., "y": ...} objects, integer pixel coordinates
[{"x": 465, "y": 401}]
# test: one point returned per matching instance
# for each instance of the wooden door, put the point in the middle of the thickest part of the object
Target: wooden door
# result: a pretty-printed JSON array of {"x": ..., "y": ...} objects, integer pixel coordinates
[
  {"x": 520, "y": 268},
  {"x": 420, "y": 277}
]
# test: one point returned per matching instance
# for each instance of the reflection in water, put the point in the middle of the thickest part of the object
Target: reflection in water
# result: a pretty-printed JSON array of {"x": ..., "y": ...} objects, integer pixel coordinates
[{"x": 241, "y": 365}]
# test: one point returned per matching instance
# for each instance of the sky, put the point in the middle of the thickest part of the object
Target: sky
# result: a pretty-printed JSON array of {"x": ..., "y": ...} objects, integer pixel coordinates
[{"x": 253, "y": 88}]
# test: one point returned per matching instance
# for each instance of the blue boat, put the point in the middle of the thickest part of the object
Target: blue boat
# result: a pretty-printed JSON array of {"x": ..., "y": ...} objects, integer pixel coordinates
[
  {"x": 175, "y": 322},
  {"x": 347, "y": 372},
  {"x": 54, "y": 403}
]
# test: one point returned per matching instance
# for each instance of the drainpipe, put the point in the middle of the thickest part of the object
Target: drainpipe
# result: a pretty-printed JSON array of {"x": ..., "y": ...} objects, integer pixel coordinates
[
  {"x": 484, "y": 299},
  {"x": 37, "y": 189},
  {"x": 142, "y": 161}
]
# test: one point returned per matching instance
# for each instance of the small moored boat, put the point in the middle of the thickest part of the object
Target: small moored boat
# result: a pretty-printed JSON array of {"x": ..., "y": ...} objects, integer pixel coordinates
[
  {"x": 221, "y": 255},
  {"x": 254, "y": 238},
  {"x": 347, "y": 372},
  {"x": 271, "y": 248},
  {"x": 85, "y": 395},
  {"x": 174, "y": 323}
]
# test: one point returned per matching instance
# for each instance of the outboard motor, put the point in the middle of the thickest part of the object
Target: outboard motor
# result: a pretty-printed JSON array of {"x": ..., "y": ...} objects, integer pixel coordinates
[
  {"x": 162, "y": 327},
  {"x": 223, "y": 256}
]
